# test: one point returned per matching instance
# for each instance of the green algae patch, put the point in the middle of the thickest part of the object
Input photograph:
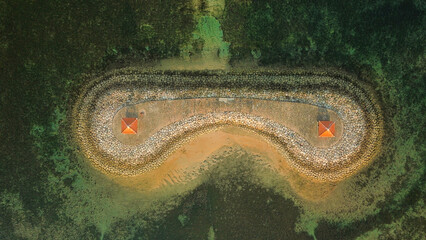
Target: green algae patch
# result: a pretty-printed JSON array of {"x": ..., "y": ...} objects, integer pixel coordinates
[
  {"x": 183, "y": 219},
  {"x": 205, "y": 50},
  {"x": 208, "y": 30},
  {"x": 371, "y": 235},
  {"x": 210, "y": 234}
]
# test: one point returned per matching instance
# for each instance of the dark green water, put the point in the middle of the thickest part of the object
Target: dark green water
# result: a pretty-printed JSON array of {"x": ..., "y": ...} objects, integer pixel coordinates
[
  {"x": 46, "y": 47},
  {"x": 233, "y": 206}
]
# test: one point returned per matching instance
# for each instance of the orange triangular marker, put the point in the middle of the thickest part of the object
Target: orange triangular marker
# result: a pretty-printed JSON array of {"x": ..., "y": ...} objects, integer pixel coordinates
[
  {"x": 128, "y": 131},
  {"x": 129, "y": 121},
  {"x": 327, "y": 134},
  {"x": 129, "y": 125},
  {"x": 134, "y": 125},
  {"x": 326, "y": 129}
]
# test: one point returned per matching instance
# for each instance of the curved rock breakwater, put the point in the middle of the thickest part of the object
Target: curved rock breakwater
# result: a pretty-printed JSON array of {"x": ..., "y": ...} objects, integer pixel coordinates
[{"x": 352, "y": 100}]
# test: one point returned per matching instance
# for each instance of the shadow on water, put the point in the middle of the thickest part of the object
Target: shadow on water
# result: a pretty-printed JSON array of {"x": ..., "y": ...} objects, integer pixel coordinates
[
  {"x": 242, "y": 212},
  {"x": 229, "y": 205}
]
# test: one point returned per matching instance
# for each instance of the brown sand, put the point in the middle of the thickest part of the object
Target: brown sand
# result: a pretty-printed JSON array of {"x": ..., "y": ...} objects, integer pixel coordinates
[{"x": 184, "y": 164}]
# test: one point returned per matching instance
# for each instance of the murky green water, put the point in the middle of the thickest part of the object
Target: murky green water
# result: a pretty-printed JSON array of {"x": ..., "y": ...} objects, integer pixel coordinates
[{"x": 47, "y": 191}]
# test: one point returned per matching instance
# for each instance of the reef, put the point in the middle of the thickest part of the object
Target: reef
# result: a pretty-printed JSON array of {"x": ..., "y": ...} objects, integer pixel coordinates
[{"x": 350, "y": 98}]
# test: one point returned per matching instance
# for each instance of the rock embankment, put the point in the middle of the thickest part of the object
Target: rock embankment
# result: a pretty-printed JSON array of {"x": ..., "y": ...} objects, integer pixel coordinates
[{"x": 352, "y": 101}]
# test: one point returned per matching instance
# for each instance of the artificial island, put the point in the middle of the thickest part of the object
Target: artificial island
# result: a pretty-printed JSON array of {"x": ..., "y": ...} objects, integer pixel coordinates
[{"x": 325, "y": 126}]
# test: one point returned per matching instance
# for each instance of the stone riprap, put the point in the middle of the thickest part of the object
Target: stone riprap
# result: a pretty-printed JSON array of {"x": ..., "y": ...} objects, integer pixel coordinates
[{"x": 352, "y": 100}]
